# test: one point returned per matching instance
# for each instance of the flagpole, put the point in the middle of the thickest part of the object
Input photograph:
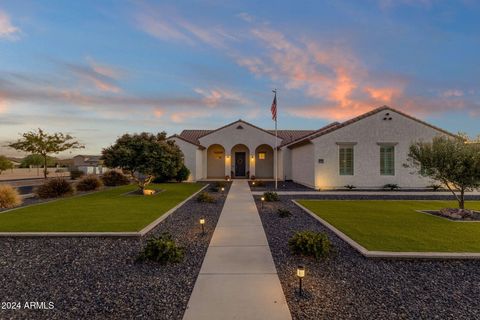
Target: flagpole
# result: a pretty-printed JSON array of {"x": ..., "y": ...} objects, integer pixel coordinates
[{"x": 276, "y": 139}]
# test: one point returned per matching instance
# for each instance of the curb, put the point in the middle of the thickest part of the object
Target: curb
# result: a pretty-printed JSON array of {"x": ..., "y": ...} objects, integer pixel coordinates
[
  {"x": 137, "y": 234},
  {"x": 391, "y": 254}
]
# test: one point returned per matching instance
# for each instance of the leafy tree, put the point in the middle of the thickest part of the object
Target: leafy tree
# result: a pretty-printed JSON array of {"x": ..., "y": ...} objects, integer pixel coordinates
[
  {"x": 144, "y": 156},
  {"x": 36, "y": 160},
  {"x": 42, "y": 143},
  {"x": 5, "y": 164},
  {"x": 452, "y": 162}
]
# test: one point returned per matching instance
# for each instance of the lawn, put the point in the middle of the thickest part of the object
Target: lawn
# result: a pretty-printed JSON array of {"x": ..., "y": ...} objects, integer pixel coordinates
[
  {"x": 105, "y": 211},
  {"x": 396, "y": 226}
]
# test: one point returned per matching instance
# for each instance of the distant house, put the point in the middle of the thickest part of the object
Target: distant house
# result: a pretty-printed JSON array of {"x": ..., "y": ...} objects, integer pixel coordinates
[{"x": 89, "y": 164}]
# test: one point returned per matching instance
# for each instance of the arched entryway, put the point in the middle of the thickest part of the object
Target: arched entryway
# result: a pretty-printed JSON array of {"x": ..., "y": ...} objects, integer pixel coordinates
[
  {"x": 264, "y": 162},
  {"x": 240, "y": 161},
  {"x": 215, "y": 162}
]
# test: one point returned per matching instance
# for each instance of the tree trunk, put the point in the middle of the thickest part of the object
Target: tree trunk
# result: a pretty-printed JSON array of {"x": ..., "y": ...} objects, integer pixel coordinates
[
  {"x": 45, "y": 171},
  {"x": 461, "y": 202}
]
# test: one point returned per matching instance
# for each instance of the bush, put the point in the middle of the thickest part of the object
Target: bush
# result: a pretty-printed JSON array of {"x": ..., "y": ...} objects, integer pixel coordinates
[
  {"x": 283, "y": 213},
  {"x": 89, "y": 183},
  {"x": 75, "y": 174},
  {"x": 271, "y": 196},
  {"x": 252, "y": 177},
  {"x": 182, "y": 174},
  {"x": 435, "y": 187},
  {"x": 310, "y": 243},
  {"x": 54, "y": 188},
  {"x": 162, "y": 250},
  {"x": 391, "y": 186},
  {"x": 350, "y": 187},
  {"x": 114, "y": 178},
  {"x": 9, "y": 197},
  {"x": 205, "y": 197}
]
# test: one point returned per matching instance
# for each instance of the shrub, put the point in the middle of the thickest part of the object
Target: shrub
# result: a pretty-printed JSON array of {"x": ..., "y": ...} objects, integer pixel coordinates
[
  {"x": 391, "y": 186},
  {"x": 214, "y": 188},
  {"x": 252, "y": 177},
  {"x": 205, "y": 197},
  {"x": 310, "y": 243},
  {"x": 114, "y": 178},
  {"x": 75, "y": 174},
  {"x": 350, "y": 187},
  {"x": 162, "y": 250},
  {"x": 89, "y": 183},
  {"x": 435, "y": 187},
  {"x": 217, "y": 186},
  {"x": 283, "y": 213},
  {"x": 182, "y": 174},
  {"x": 53, "y": 188},
  {"x": 271, "y": 196},
  {"x": 9, "y": 197}
]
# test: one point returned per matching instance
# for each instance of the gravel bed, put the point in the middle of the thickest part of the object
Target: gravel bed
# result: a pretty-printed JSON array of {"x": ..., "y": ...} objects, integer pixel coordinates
[
  {"x": 98, "y": 278},
  {"x": 349, "y": 286},
  {"x": 282, "y": 186}
]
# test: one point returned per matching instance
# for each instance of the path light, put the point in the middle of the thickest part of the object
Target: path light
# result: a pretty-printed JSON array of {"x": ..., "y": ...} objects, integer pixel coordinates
[
  {"x": 202, "y": 223},
  {"x": 300, "y": 275},
  {"x": 223, "y": 189},
  {"x": 263, "y": 200},
  {"x": 253, "y": 183}
]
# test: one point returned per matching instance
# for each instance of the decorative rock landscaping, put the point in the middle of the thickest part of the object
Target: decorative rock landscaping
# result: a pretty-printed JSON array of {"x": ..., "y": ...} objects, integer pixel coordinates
[
  {"x": 349, "y": 286},
  {"x": 98, "y": 277}
]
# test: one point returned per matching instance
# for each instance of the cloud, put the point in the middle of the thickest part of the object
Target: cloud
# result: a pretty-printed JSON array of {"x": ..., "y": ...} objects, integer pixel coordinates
[
  {"x": 453, "y": 93},
  {"x": 103, "y": 77},
  {"x": 7, "y": 29},
  {"x": 214, "y": 97}
]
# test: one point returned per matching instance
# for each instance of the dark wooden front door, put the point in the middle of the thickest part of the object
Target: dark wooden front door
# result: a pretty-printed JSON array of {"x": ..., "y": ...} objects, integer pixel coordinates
[{"x": 240, "y": 165}]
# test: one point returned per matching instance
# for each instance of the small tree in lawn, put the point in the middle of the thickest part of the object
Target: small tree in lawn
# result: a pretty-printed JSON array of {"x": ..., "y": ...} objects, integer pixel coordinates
[
  {"x": 42, "y": 143},
  {"x": 5, "y": 164},
  {"x": 144, "y": 156},
  {"x": 452, "y": 162}
]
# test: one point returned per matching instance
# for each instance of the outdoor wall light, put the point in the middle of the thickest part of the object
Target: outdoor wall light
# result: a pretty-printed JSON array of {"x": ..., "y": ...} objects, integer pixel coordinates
[
  {"x": 202, "y": 223},
  {"x": 252, "y": 157},
  {"x": 300, "y": 275}
]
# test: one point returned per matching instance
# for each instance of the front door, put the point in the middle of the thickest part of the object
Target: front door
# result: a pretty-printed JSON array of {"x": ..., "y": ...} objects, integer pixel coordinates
[{"x": 240, "y": 166}]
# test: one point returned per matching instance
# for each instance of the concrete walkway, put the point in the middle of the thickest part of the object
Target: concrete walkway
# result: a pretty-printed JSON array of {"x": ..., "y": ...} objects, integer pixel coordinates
[
  {"x": 238, "y": 279},
  {"x": 367, "y": 193}
]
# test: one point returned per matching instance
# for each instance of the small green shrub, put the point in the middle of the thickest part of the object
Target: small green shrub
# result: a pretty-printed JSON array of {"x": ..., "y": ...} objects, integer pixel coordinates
[
  {"x": 53, "y": 188},
  {"x": 75, "y": 174},
  {"x": 350, "y": 187},
  {"x": 217, "y": 186},
  {"x": 89, "y": 183},
  {"x": 310, "y": 243},
  {"x": 271, "y": 196},
  {"x": 220, "y": 184},
  {"x": 182, "y": 174},
  {"x": 9, "y": 197},
  {"x": 114, "y": 178},
  {"x": 283, "y": 213},
  {"x": 162, "y": 250},
  {"x": 435, "y": 187},
  {"x": 214, "y": 188},
  {"x": 391, "y": 186},
  {"x": 205, "y": 197}
]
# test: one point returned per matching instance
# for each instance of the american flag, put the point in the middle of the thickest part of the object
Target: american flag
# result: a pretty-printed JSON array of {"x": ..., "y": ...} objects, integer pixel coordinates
[{"x": 274, "y": 108}]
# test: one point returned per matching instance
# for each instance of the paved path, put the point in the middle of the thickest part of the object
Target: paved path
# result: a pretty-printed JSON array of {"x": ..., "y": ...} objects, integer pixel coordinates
[
  {"x": 238, "y": 279},
  {"x": 368, "y": 193}
]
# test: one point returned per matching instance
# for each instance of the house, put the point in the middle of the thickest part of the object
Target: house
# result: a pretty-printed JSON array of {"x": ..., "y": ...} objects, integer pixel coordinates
[
  {"x": 367, "y": 151},
  {"x": 89, "y": 164}
]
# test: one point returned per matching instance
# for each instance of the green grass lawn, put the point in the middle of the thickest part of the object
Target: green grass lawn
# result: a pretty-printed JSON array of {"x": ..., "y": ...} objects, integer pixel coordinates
[
  {"x": 396, "y": 226},
  {"x": 107, "y": 211}
]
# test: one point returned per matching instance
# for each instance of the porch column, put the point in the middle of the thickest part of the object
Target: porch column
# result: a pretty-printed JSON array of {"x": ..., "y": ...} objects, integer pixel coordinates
[
  {"x": 228, "y": 163},
  {"x": 252, "y": 164}
]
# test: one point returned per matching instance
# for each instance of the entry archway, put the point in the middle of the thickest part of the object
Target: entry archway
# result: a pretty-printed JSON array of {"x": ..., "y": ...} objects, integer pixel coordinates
[{"x": 240, "y": 161}]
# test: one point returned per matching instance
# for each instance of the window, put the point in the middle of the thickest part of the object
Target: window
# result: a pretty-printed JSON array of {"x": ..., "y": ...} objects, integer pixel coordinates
[
  {"x": 262, "y": 155},
  {"x": 387, "y": 160},
  {"x": 346, "y": 160}
]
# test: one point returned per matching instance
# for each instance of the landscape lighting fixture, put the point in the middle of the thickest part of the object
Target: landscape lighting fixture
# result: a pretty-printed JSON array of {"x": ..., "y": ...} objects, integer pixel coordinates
[
  {"x": 202, "y": 223},
  {"x": 300, "y": 275}
]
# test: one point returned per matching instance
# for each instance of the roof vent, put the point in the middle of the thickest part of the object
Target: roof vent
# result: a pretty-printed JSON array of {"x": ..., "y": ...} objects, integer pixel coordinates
[
  {"x": 387, "y": 117},
  {"x": 239, "y": 127}
]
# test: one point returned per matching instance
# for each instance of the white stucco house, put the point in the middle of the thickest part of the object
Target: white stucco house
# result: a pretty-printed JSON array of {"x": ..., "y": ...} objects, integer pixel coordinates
[{"x": 367, "y": 151}]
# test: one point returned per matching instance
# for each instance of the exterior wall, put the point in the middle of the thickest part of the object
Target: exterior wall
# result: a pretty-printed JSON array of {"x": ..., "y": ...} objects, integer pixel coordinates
[
  {"x": 286, "y": 156},
  {"x": 215, "y": 161},
  {"x": 303, "y": 165},
  {"x": 367, "y": 134},
  {"x": 190, "y": 156},
  {"x": 264, "y": 168}
]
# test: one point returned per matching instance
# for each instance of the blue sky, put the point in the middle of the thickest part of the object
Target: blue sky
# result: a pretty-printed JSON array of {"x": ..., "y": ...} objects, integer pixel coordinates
[{"x": 97, "y": 69}]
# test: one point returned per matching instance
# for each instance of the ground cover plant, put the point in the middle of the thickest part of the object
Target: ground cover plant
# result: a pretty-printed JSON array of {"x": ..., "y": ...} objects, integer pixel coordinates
[
  {"x": 397, "y": 225},
  {"x": 89, "y": 183},
  {"x": 111, "y": 210},
  {"x": 310, "y": 243},
  {"x": 9, "y": 197},
  {"x": 163, "y": 250},
  {"x": 54, "y": 188}
]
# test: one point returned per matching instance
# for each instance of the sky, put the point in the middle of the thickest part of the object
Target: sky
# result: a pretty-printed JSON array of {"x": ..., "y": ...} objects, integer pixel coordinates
[{"x": 98, "y": 69}]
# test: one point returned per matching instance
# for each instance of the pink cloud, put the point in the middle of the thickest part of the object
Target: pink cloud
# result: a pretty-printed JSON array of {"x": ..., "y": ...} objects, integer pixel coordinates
[
  {"x": 214, "y": 97},
  {"x": 7, "y": 29},
  {"x": 103, "y": 77},
  {"x": 453, "y": 93}
]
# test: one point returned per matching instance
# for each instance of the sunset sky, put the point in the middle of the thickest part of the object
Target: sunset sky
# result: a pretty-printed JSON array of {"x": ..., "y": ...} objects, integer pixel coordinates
[{"x": 97, "y": 69}]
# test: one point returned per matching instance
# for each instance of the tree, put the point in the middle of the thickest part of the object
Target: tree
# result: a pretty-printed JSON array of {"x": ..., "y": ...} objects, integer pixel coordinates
[
  {"x": 144, "y": 156},
  {"x": 41, "y": 143},
  {"x": 452, "y": 162},
  {"x": 5, "y": 164}
]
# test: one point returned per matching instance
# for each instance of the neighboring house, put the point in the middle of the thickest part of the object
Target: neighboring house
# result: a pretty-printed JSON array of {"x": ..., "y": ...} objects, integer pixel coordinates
[
  {"x": 367, "y": 151},
  {"x": 89, "y": 164}
]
